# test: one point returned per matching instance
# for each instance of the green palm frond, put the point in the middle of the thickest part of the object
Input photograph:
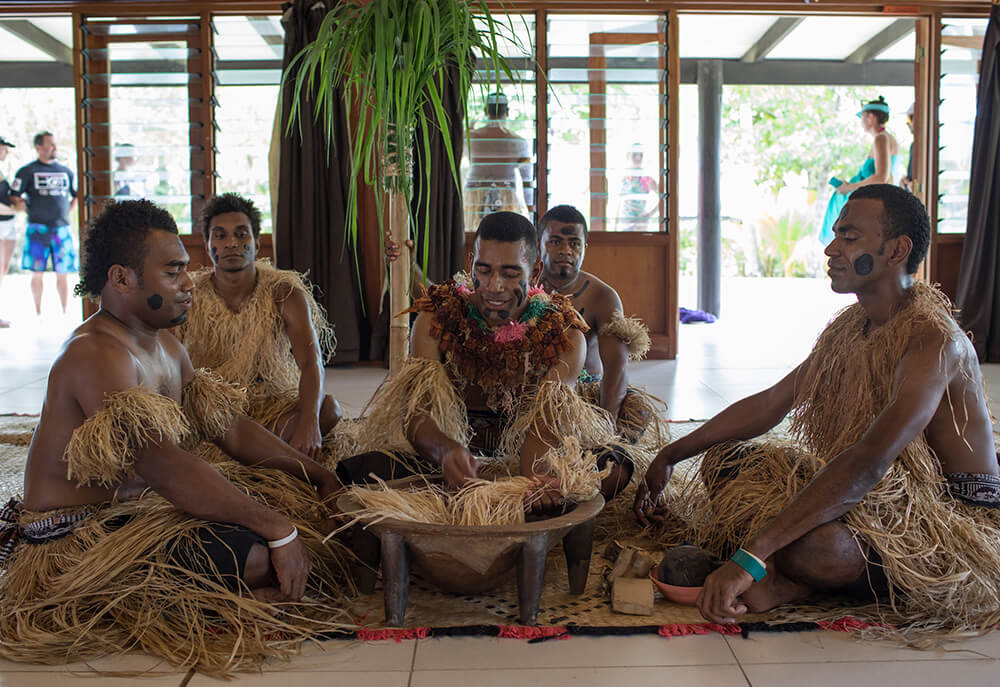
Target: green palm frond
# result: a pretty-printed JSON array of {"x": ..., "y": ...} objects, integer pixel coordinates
[{"x": 393, "y": 57}]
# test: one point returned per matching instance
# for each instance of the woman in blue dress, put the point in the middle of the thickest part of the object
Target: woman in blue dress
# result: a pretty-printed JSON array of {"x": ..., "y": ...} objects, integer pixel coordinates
[{"x": 876, "y": 169}]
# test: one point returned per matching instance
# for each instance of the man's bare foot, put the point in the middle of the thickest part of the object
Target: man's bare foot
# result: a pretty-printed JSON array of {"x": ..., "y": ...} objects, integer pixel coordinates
[
  {"x": 268, "y": 595},
  {"x": 774, "y": 590}
]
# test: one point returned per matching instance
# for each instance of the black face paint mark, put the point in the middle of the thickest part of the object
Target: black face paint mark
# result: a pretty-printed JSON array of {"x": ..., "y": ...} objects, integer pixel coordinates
[
  {"x": 475, "y": 284},
  {"x": 155, "y": 302},
  {"x": 504, "y": 314},
  {"x": 864, "y": 265},
  {"x": 215, "y": 254},
  {"x": 564, "y": 271},
  {"x": 519, "y": 292},
  {"x": 582, "y": 289}
]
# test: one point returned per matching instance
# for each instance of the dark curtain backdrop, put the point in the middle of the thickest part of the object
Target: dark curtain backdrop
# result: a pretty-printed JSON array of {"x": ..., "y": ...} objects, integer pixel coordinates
[
  {"x": 446, "y": 254},
  {"x": 978, "y": 294},
  {"x": 312, "y": 198}
]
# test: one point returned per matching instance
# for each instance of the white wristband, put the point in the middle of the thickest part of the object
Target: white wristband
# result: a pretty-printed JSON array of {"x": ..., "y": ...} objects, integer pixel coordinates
[{"x": 277, "y": 543}]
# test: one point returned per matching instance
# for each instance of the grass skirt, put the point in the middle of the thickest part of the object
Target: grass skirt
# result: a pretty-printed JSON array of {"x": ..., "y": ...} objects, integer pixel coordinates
[{"x": 109, "y": 588}]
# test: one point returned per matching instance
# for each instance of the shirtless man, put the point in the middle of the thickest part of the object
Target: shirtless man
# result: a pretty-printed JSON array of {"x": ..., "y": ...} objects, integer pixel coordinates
[
  {"x": 258, "y": 327},
  {"x": 563, "y": 244},
  {"x": 612, "y": 339},
  {"x": 505, "y": 253},
  {"x": 136, "y": 264},
  {"x": 932, "y": 398}
]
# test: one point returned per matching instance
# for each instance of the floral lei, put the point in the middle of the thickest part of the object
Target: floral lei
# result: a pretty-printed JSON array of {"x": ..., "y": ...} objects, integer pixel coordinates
[{"x": 503, "y": 360}]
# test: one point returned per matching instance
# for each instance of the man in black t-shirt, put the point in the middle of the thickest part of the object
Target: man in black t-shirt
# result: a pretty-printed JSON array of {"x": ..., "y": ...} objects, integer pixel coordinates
[{"x": 50, "y": 190}]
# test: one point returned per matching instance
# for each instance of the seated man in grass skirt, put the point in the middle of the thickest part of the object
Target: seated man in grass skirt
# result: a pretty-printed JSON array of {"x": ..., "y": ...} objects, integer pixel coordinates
[
  {"x": 612, "y": 339},
  {"x": 260, "y": 328},
  {"x": 890, "y": 486},
  {"x": 124, "y": 539},
  {"x": 492, "y": 369}
]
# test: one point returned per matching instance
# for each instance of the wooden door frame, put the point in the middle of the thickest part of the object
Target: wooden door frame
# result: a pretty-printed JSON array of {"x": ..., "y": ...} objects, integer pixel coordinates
[{"x": 94, "y": 142}]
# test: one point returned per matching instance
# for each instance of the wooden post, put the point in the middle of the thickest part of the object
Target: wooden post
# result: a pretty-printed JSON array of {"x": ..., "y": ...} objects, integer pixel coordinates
[{"x": 399, "y": 283}]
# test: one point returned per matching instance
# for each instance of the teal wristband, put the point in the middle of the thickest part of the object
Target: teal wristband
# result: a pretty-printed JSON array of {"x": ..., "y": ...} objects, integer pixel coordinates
[{"x": 750, "y": 564}]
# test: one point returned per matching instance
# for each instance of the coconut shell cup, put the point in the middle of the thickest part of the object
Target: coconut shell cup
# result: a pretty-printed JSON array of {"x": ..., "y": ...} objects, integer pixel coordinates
[{"x": 685, "y": 596}]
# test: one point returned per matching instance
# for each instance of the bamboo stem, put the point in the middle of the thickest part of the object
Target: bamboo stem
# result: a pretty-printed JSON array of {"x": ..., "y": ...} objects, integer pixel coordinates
[{"x": 399, "y": 283}]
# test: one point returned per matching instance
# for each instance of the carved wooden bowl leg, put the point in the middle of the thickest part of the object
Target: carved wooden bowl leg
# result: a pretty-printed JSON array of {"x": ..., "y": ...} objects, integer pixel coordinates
[
  {"x": 531, "y": 576},
  {"x": 367, "y": 548},
  {"x": 578, "y": 545},
  {"x": 395, "y": 577}
]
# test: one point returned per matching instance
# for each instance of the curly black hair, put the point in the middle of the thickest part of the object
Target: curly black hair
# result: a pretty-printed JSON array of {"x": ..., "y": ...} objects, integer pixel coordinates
[
  {"x": 902, "y": 213},
  {"x": 230, "y": 202},
  {"x": 563, "y": 213},
  {"x": 510, "y": 227},
  {"x": 117, "y": 236}
]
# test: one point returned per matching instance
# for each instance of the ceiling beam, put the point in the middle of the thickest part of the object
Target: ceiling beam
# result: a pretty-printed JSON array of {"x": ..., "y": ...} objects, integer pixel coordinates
[
  {"x": 265, "y": 29},
  {"x": 882, "y": 41},
  {"x": 775, "y": 33},
  {"x": 34, "y": 36}
]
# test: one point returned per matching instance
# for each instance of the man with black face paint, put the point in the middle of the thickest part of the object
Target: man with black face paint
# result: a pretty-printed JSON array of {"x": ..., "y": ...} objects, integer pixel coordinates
[
  {"x": 492, "y": 362},
  {"x": 613, "y": 339},
  {"x": 117, "y": 514},
  {"x": 261, "y": 328},
  {"x": 892, "y": 483}
]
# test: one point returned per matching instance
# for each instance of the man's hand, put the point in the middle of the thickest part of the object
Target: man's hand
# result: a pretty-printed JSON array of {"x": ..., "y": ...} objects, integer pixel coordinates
[
  {"x": 649, "y": 506},
  {"x": 329, "y": 489},
  {"x": 547, "y": 497},
  {"x": 392, "y": 250},
  {"x": 719, "y": 601},
  {"x": 291, "y": 567},
  {"x": 308, "y": 439},
  {"x": 458, "y": 466}
]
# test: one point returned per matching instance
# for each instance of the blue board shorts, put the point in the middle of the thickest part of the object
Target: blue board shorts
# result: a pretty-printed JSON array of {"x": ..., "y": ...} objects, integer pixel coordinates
[{"x": 44, "y": 241}]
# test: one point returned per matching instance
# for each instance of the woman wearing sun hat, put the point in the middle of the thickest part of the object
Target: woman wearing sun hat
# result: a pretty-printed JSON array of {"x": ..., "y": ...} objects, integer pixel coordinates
[{"x": 876, "y": 169}]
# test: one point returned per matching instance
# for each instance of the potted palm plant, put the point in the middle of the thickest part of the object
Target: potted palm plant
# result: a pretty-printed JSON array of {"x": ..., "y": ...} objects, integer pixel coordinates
[{"x": 394, "y": 58}]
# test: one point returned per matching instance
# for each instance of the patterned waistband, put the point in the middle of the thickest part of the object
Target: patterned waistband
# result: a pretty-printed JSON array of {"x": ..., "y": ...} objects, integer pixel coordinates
[
  {"x": 38, "y": 532},
  {"x": 975, "y": 488}
]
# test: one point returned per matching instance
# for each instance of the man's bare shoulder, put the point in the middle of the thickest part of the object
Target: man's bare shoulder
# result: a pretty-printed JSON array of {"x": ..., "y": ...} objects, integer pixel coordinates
[
  {"x": 951, "y": 346},
  {"x": 95, "y": 357},
  {"x": 423, "y": 343},
  {"x": 603, "y": 301}
]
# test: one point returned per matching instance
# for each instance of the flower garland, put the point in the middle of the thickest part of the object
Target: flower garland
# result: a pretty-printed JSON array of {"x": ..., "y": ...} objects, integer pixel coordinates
[{"x": 500, "y": 361}]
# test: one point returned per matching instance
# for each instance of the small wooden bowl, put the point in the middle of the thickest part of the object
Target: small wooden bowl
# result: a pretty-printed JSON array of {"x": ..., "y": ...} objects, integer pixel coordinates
[{"x": 685, "y": 596}]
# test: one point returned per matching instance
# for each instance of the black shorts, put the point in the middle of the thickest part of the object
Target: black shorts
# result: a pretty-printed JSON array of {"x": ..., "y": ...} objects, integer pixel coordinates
[{"x": 219, "y": 553}]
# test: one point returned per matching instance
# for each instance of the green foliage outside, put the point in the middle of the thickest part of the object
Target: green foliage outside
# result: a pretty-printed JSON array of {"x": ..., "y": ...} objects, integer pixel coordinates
[
  {"x": 796, "y": 129},
  {"x": 777, "y": 238},
  {"x": 798, "y": 134}
]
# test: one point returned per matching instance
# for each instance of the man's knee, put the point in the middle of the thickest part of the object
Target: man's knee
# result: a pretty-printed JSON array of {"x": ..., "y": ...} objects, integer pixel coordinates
[
  {"x": 828, "y": 557},
  {"x": 622, "y": 467},
  {"x": 258, "y": 571},
  {"x": 330, "y": 413},
  {"x": 722, "y": 464}
]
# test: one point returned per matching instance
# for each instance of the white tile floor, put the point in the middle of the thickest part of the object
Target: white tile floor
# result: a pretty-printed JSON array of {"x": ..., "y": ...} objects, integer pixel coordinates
[{"x": 752, "y": 346}]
